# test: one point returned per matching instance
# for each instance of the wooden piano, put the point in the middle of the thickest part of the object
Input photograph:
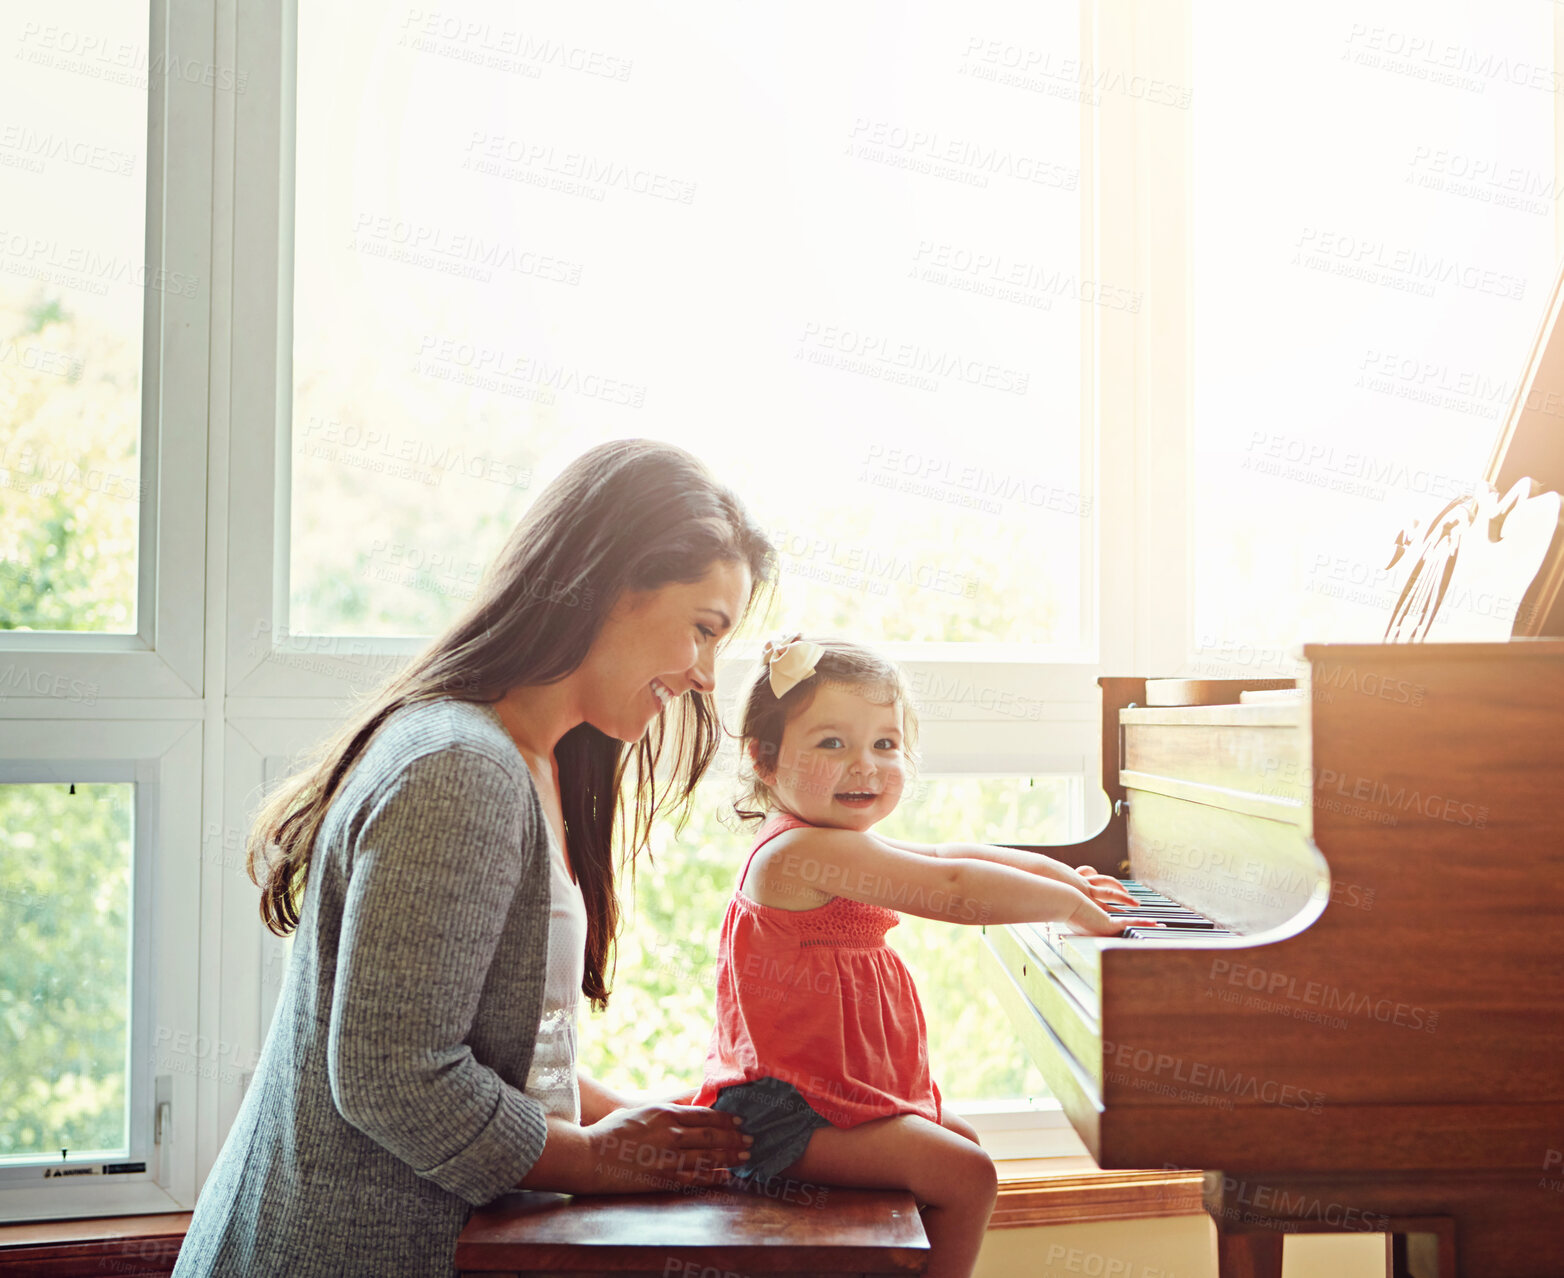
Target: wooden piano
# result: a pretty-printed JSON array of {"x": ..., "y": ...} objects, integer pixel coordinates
[
  {"x": 1383, "y": 1038},
  {"x": 1356, "y": 1019}
]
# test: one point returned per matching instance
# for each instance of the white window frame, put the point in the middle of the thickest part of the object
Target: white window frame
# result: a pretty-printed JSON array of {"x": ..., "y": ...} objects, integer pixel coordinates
[
  {"x": 162, "y": 757},
  {"x": 163, "y": 659},
  {"x": 132, "y": 707}
]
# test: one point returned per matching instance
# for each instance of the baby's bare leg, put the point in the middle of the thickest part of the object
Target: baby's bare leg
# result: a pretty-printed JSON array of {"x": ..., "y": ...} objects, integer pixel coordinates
[
  {"x": 942, "y": 1168},
  {"x": 956, "y": 1123}
]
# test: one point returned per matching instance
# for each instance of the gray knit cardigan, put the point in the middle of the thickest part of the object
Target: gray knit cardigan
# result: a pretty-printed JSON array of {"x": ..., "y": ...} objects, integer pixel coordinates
[{"x": 387, "y": 1101}]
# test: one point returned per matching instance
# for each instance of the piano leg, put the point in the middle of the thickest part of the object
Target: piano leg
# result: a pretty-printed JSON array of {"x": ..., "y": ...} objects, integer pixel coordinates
[
  {"x": 1418, "y": 1249},
  {"x": 1506, "y": 1228},
  {"x": 1249, "y": 1255}
]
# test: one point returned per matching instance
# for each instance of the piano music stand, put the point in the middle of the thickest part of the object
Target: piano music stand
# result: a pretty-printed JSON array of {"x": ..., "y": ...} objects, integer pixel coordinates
[{"x": 1531, "y": 446}]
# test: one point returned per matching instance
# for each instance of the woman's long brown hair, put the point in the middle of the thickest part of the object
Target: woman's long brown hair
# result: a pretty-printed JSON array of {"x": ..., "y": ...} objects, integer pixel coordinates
[{"x": 631, "y": 514}]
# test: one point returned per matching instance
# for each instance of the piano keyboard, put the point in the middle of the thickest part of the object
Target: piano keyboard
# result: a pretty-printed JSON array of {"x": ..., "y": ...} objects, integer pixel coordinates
[
  {"x": 1178, "y": 921},
  {"x": 1076, "y": 960}
]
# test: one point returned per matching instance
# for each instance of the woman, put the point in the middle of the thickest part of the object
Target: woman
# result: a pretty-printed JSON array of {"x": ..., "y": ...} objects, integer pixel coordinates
[{"x": 446, "y": 862}]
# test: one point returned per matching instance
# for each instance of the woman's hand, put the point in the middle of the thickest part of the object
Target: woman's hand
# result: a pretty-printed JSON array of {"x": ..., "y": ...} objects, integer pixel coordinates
[
  {"x": 664, "y": 1146},
  {"x": 640, "y": 1149}
]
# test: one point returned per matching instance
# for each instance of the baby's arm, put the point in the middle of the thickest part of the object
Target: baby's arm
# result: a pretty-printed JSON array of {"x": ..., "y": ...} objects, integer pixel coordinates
[
  {"x": 863, "y": 867},
  {"x": 598, "y": 1101},
  {"x": 1102, "y": 888}
]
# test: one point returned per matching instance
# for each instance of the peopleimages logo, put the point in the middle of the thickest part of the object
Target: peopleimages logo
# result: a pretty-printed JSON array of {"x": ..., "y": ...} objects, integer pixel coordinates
[
  {"x": 44, "y": 683},
  {"x": 1323, "y": 997},
  {"x": 37, "y": 257},
  {"x": 1414, "y": 267},
  {"x": 34, "y": 145},
  {"x": 856, "y": 350},
  {"x": 1158, "y": 1072},
  {"x": 1325, "y": 782}
]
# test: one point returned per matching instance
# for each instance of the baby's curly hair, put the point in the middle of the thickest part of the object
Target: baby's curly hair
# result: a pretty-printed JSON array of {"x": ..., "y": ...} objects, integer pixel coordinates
[{"x": 765, "y": 715}]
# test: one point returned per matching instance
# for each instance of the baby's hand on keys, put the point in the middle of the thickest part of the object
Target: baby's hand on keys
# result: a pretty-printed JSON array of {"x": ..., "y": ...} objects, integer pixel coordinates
[
  {"x": 1104, "y": 888},
  {"x": 1092, "y": 920},
  {"x": 1121, "y": 923}
]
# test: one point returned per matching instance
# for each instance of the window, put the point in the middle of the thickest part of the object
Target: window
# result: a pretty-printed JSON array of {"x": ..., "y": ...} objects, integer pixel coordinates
[
  {"x": 73, "y": 275},
  {"x": 106, "y": 293},
  {"x": 66, "y": 991},
  {"x": 97, "y": 1014},
  {"x": 861, "y": 304}
]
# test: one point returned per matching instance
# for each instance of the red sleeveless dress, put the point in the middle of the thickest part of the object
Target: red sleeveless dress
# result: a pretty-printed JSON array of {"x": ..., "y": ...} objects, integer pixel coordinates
[{"x": 817, "y": 999}]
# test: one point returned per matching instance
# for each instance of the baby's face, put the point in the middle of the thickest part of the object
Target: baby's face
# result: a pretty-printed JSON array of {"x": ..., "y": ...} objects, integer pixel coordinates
[{"x": 841, "y": 762}]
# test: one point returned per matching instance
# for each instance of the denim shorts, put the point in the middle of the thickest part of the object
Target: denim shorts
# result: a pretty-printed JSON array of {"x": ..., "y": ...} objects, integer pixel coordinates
[{"x": 780, "y": 1120}]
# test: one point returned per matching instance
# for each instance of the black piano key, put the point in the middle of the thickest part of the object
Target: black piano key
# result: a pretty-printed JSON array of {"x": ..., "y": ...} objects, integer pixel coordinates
[
  {"x": 1155, "y": 911},
  {"x": 1173, "y": 916},
  {"x": 1151, "y": 904},
  {"x": 1169, "y": 933},
  {"x": 1176, "y": 918},
  {"x": 1158, "y": 909}
]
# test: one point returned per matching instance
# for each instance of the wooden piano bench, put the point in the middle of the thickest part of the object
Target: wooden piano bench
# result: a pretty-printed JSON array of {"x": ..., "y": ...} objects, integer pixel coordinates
[{"x": 711, "y": 1235}]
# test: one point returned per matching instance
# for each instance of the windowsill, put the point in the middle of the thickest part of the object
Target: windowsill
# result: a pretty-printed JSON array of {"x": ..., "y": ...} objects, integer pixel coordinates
[
  {"x": 1047, "y": 1177},
  {"x": 147, "y": 1244},
  {"x": 1074, "y": 1191},
  {"x": 1032, "y": 1191}
]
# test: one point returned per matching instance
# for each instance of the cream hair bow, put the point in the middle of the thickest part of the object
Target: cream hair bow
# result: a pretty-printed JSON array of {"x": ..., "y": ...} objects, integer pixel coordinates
[{"x": 791, "y": 661}]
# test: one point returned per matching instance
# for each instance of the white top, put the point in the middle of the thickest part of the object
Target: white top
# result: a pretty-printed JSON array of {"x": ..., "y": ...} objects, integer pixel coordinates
[{"x": 552, "y": 1079}]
